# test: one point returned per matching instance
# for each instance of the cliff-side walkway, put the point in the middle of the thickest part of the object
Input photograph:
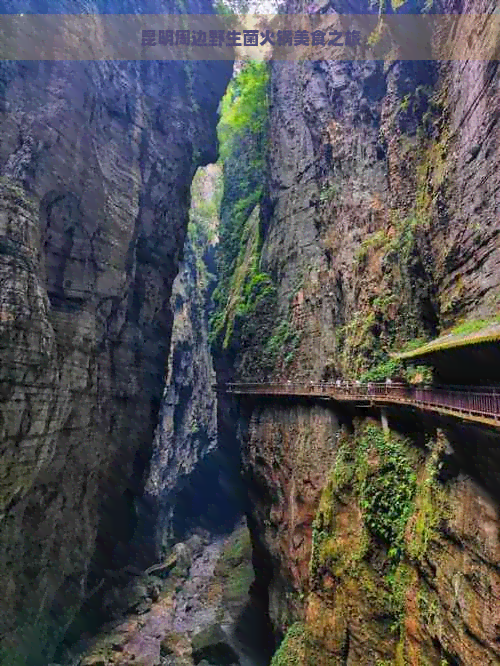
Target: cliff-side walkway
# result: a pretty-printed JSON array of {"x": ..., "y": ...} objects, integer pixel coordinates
[{"x": 479, "y": 404}]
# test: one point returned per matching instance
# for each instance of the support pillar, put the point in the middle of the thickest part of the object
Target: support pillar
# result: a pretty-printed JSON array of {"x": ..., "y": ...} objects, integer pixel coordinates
[{"x": 385, "y": 422}]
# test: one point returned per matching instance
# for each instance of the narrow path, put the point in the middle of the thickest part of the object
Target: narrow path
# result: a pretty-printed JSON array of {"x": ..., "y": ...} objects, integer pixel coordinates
[{"x": 479, "y": 404}]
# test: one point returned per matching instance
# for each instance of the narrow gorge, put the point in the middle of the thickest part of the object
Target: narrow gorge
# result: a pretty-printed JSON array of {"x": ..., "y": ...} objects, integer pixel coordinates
[{"x": 173, "y": 229}]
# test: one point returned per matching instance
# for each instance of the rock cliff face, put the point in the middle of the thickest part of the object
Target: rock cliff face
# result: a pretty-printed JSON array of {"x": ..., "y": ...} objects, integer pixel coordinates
[
  {"x": 96, "y": 162},
  {"x": 192, "y": 483},
  {"x": 378, "y": 223},
  {"x": 188, "y": 420}
]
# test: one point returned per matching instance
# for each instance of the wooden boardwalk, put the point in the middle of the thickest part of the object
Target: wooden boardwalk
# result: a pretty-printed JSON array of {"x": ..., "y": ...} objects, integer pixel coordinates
[{"x": 478, "y": 404}]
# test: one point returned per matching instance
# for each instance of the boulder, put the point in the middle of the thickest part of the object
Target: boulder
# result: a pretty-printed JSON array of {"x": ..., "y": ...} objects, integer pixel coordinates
[
  {"x": 176, "y": 649},
  {"x": 211, "y": 645}
]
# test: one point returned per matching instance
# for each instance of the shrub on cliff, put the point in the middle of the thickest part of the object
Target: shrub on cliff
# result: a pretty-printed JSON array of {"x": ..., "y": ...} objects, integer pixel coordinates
[
  {"x": 244, "y": 109},
  {"x": 242, "y": 129}
]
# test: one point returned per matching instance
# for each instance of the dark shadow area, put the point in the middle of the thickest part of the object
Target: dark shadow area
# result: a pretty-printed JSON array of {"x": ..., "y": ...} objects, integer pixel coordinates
[
  {"x": 211, "y": 497},
  {"x": 475, "y": 449},
  {"x": 125, "y": 545},
  {"x": 253, "y": 628}
]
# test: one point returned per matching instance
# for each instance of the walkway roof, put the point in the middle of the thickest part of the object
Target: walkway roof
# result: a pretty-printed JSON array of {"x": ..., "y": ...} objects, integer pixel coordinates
[{"x": 487, "y": 334}]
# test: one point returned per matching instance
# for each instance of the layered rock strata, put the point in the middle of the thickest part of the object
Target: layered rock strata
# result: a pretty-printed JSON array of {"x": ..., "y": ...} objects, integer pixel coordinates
[
  {"x": 96, "y": 162},
  {"x": 378, "y": 222}
]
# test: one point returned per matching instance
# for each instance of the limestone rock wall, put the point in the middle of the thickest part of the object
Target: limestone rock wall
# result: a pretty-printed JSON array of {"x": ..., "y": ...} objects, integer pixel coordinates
[
  {"x": 321, "y": 499},
  {"x": 379, "y": 225},
  {"x": 96, "y": 162},
  {"x": 380, "y": 204},
  {"x": 187, "y": 430}
]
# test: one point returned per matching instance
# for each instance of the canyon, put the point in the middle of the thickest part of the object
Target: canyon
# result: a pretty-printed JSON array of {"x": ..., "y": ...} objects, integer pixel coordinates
[
  {"x": 374, "y": 231},
  {"x": 166, "y": 229},
  {"x": 95, "y": 191}
]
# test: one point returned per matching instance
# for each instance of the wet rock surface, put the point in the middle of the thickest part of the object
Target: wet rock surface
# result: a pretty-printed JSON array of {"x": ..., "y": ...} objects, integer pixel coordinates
[
  {"x": 379, "y": 229},
  {"x": 194, "y": 619},
  {"x": 96, "y": 162}
]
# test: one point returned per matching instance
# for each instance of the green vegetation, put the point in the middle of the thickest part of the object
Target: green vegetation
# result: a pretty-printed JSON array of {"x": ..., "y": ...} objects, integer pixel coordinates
[
  {"x": 284, "y": 341},
  {"x": 387, "y": 497},
  {"x": 381, "y": 326},
  {"x": 398, "y": 580},
  {"x": 380, "y": 497},
  {"x": 375, "y": 472},
  {"x": 237, "y": 549},
  {"x": 234, "y": 567},
  {"x": 374, "y": 241},
  {"x": 298, "y": 648},
  {"x": 206, "y": 195},
  {"x": 419, "y": 374},
  {"x": 206, "y": 192},
  {"x": 429, "y": 608},
  {"x": 431, "y": 506},
  {"x": 380, "y": 31},
  {"x": 243, "y": 287},
  {"x": 238, "y": 582},
  {"x": 381, "y": 371},
  {"x": 244, "y": 110},
  {"x": 290, "y": 652},
  {"x": 410, "y": 345},
  {"x": 329, "y": 193},
  {"x": 473, "y": 326},
  {"x": 466, "y": 333},
  {"x": 242, "y": 291},
  {"x": 246, "y": 314},
  {"x": 419, "y": 98},
  {"x": 392, "y": 314}
]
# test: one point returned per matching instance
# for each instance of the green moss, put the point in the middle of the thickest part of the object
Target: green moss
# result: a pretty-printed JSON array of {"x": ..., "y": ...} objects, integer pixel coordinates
[
  {"x": 237, "y": 550},
  {"x": 467, "y": 333},
  {"x": 374, "y": 241},
  {"x": 431, "y": 505},
  {"x": 234, "y": 568},
  {"x": 238, "y": 582},
  {"x": 387, "y": 496},
  {"x": 298, "y": 648},
  {"x": 473, "y": 326}
]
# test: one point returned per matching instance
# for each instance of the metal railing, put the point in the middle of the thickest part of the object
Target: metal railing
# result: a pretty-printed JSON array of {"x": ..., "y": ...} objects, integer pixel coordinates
[{"x": 473, "y": 403}]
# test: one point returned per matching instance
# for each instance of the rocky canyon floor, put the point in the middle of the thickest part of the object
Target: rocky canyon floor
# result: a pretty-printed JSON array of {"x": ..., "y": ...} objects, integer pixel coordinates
[{"x": 187, "y": 612}]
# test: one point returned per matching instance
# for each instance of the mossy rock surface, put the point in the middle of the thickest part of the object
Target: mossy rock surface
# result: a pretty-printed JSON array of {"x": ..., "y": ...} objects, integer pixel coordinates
[
  {"x": 211, "y": 644},
  {"x": 299, "y": 648}
]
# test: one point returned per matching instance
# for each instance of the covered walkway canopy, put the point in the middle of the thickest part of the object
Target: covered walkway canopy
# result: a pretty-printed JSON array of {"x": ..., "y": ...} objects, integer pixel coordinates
[{"x": 463, "y": 356}]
